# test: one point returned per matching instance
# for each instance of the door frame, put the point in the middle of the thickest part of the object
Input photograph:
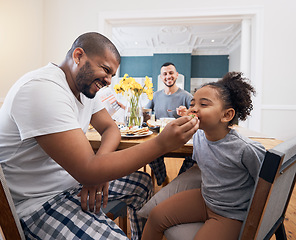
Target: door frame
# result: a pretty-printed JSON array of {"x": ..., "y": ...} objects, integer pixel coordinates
[{"x": 251, "y": 19}]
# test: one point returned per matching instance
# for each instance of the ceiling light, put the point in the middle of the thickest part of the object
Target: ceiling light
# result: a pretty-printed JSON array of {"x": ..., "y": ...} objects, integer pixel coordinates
[{"x": 213, "y": 40}]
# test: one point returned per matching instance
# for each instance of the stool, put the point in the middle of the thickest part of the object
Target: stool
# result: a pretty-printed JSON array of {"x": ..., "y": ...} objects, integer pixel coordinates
[{"x": 117, "y": 209}]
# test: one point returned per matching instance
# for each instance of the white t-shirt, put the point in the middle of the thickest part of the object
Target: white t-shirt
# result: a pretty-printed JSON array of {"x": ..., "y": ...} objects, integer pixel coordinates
[{"x": 39, "y": 103}]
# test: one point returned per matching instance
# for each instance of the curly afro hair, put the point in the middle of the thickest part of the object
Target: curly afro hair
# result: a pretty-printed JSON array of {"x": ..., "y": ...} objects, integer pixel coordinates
[{"x": 236, "y": 93}]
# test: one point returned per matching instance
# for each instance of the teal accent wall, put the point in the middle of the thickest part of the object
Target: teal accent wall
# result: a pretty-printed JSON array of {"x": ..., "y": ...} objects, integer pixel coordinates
[
  {"x": 199, "y": 66},
  {"x": 136, "y": 66},
  {"x": 213, "y": 66}
]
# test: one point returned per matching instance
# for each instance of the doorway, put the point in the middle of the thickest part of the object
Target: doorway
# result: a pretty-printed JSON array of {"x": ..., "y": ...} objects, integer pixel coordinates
[{"x": 251, "y": 19}]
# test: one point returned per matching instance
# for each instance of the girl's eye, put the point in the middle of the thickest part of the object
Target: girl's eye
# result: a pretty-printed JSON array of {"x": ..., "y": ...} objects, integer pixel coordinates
[{"x": 191, "y": 105}]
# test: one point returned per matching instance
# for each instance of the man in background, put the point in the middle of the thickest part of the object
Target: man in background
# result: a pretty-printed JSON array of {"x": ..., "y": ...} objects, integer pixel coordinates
[{"x": 164, "y": 104}]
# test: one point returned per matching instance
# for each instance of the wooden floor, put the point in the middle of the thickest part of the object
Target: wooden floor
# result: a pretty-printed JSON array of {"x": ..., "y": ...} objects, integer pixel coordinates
[{"x": 173, "y": 165}]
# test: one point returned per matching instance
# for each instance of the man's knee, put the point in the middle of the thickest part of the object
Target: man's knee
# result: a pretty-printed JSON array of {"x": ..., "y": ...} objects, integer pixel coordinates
[{"x": 143, "y": 183}]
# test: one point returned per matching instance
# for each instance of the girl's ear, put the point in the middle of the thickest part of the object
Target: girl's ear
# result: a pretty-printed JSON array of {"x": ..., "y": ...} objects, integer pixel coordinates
[{"x": 228, "y": 115}]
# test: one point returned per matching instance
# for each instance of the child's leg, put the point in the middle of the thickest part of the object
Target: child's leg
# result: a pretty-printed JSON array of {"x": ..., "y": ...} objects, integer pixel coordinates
[
  {"x": 183, "y": 207},
  {"x": 224, "y": 228}
]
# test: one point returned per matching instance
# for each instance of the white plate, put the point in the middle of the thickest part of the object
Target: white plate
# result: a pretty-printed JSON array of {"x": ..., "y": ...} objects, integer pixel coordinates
[{"x": 137, "y": 135}]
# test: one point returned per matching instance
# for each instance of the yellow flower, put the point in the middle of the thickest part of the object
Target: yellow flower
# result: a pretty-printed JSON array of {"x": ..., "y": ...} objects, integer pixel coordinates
[
  {"x": 149, "y": 93},
  {"x": 129, "y": 87},
  {"x": 132, "y": 90},
  {"x": 148, "y": 82}
]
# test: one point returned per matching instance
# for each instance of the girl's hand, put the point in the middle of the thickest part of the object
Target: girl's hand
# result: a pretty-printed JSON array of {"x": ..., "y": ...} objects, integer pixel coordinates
[
  {"x": 181, "y": 111},
  {"x": 178, "y": 132}
]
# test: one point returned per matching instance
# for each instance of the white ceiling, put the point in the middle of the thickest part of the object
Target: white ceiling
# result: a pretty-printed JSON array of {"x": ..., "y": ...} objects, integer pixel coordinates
[{"x": 200, "y": 39}]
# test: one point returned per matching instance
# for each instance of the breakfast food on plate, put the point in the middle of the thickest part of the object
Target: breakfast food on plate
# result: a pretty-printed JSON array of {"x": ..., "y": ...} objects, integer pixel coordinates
[
  {"x": 134, "y": 130},
  {"x": 153, "y": 124}
]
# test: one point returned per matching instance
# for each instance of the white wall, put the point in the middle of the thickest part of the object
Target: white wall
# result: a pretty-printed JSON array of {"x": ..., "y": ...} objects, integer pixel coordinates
[
  {"x": 21, "y": 40},
  {"x": 279, "y": 78},
  {"x": 34, "y": 32}
]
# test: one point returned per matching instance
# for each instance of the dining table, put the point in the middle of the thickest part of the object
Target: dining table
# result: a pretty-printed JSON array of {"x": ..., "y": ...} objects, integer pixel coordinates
[
  {"x": 95, "y": 141},
  {"x": 186, "y": 150}
]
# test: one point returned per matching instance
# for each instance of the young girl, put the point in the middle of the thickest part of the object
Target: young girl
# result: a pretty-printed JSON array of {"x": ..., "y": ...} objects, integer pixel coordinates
[{"x": 229, "y": 164}]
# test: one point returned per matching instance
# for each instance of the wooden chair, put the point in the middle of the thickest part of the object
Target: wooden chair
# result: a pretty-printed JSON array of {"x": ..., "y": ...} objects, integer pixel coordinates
[
  {"x": 117, "y": 209},
  {"x": 10, "y": 227},
  {"x": 9, "y": 221},
  {"x": 268, "y": 205},
  {"x": 272, "y": 195}
]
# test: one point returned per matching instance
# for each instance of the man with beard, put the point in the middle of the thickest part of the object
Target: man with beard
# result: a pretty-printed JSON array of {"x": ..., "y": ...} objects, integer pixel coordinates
[
  {"x": 56, "y": 180},
  {"x": 164, "y": 104}
]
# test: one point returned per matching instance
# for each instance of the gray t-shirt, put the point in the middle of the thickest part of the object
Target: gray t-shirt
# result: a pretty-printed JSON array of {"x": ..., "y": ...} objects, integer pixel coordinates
[
  {"x": 162, "y": 102},
  {"x": 229, "y": 169}
]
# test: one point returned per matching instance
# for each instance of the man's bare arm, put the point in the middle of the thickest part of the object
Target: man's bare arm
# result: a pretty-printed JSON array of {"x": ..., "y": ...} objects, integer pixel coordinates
[{"x": 73, "y": 152}]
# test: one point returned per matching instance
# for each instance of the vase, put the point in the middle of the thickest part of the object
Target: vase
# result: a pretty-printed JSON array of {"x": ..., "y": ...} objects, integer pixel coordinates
[{"x": 133, "y": 112}]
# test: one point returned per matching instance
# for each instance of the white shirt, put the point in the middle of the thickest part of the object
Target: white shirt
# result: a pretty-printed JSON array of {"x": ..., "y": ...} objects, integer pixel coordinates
[{"x": 39, "y": 103}]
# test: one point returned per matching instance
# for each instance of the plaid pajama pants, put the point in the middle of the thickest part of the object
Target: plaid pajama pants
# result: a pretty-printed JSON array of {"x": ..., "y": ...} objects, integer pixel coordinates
[
  {"x": 62, "y": 217},
  {"x": 159, "y": 169}
]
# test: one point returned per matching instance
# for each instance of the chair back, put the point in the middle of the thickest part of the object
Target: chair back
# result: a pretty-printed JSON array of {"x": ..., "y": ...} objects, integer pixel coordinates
[
  {"x": 269, "y": 202},
  {"x": 272, "y": 194},
  {"x": 9, "y": 221}
]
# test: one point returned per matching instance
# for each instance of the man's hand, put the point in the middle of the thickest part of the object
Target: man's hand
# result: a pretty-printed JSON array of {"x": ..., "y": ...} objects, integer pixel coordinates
[
  {"x": 120, "y": 105},
  {"x": 181, "y": 111},
  {"x": 94, "y": 196},
  {"x": 178, "y": 132}
]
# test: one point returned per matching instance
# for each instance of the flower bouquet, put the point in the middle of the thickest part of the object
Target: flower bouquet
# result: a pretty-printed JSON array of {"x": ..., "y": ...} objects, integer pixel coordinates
[{"x": 132, "y": 91}]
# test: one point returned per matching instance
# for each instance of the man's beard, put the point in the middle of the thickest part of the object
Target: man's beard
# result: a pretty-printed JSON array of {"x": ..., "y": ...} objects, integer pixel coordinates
[
  {"x": 170, "y": 85},
  {"x": 82, "y": 78}
]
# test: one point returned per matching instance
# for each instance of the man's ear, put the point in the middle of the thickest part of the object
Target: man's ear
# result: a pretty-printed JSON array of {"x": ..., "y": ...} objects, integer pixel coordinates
[
  {"x": 77, "y": 53},
  {"x": 228, "y": 115}
]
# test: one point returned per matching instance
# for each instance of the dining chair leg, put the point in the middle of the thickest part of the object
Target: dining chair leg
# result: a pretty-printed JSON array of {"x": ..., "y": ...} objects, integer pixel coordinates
[
  {"x": 152, "y": 174},
  {"x": 123, "y": 224},
  {"x": 153, "y": 178}
]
